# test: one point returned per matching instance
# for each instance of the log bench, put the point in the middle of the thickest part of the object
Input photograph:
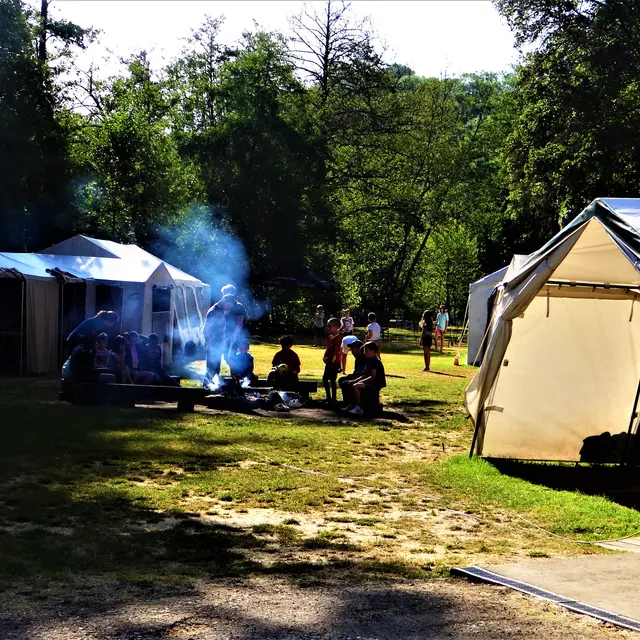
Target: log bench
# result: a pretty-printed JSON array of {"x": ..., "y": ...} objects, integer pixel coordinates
[
  {"x": 128, "y": 395},
  {"x": 305, "y": 387}
]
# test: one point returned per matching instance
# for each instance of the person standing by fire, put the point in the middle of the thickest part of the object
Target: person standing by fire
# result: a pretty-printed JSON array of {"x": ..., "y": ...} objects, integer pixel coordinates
[{"x": 222, "y": 331}]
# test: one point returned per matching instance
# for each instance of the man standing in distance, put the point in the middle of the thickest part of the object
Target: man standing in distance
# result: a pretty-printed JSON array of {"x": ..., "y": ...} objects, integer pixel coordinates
[{"x": 442, "y": 324}]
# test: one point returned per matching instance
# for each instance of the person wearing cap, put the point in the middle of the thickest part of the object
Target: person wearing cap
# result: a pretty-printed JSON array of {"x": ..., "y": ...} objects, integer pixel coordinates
[
  {"x": 347, "y": 341},
  {"x": 346, "y": 382}
]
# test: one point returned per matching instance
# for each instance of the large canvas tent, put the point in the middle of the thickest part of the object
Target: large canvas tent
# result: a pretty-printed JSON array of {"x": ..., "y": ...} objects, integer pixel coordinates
[
  {"x": 75, "y": 279},
  {"x": 149, "y": 294},
  {"x": 562, "y": 363}
]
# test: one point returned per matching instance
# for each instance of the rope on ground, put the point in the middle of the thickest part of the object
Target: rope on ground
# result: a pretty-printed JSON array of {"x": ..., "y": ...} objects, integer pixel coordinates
[{"x": 453, "y": 511}]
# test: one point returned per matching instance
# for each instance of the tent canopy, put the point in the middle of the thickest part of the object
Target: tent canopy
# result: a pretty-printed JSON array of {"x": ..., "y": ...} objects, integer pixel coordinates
[
  {"x": 563, "y": 357},
  {"x": 30, "y": 269},
  {"x": 94, "y": 257}
]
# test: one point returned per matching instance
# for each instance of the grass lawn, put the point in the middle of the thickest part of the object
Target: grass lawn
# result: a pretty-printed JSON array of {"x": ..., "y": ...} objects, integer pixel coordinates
[{"x": 103, "y": 496}]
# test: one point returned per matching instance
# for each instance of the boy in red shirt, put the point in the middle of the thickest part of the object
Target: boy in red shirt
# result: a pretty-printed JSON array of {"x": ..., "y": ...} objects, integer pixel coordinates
[
  {"x": 332, "y": 360},
  {"x": 286, "y": 367}
]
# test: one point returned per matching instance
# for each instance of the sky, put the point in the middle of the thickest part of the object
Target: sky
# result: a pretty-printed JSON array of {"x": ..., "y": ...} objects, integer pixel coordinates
[{"x": 433, "y": 37}]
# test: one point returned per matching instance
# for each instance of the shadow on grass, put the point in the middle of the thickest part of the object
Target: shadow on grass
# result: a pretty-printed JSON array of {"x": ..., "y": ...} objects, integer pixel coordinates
[
  {"x": 70, "y": 529},
  {"x": 618, "y": 483}
]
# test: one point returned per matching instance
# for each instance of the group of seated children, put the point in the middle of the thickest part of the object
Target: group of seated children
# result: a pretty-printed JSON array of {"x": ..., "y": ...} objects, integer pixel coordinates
[
  {"x": 368, "y": 376},
  {"x": 131, "y": 358}
]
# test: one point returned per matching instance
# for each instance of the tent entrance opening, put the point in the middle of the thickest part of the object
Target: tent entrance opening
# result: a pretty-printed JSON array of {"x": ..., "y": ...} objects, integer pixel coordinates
[
  {"x": 161, "y": 318},
  {"x": 11, "y": 326},
  {"x": 109, "y": 298}
]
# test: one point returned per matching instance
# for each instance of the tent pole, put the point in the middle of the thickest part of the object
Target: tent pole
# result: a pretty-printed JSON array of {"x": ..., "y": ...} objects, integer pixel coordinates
[
  {"x": 475, "y": 433},
  {"x": 631, "y": 421},
  {"x": 61, "y": 330},
  {"x": 22, "y": 328}
]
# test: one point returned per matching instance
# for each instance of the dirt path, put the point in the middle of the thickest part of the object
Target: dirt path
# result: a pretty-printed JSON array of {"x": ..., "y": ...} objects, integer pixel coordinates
[{"x": 271, "y": 609}]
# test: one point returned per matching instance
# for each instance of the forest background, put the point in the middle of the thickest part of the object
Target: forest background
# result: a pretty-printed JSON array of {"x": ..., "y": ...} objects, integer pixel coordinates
[{"x": 307, "y": 151}]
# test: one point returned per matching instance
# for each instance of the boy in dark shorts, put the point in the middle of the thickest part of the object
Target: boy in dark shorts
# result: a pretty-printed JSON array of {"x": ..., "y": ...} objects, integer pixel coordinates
[
  {"x": 332, "y": 360},
  {"x": 286, "y": 367},
  {"x": 346, "y": 382},
  {"x": 373, "y": 378},
  {"x": 154, "y": 356}
]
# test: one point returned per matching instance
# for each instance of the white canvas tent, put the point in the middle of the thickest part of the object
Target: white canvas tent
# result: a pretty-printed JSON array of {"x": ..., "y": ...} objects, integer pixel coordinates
[
  {"x": 479, "y": 295},
  {"x": 149, "y": 294},
  {"x": 562, "y": 361},
  {"x": 141, "y": 276}
]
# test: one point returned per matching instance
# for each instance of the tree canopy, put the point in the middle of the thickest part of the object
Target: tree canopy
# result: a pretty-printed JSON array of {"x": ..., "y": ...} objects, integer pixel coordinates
[{"x": 312, "y": 150}]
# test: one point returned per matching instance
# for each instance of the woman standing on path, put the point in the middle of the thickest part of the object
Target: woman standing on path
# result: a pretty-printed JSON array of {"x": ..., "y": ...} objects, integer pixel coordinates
[{"x": 426, "y": 338}]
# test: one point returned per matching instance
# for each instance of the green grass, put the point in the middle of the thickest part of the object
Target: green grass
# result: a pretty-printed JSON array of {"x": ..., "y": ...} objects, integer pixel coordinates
[
  {"x": 566, "y": 513},
  {"x": 153, "y": 497}
]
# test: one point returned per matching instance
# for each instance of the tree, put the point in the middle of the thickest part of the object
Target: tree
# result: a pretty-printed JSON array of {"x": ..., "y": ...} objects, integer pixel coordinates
[
  {"x": 135, "y": 181},
  {"x": 34, "y": 192},
  {"x": 577, "y": 97},
  {"x": 447, "y": 266},
  {"x": 251, "y": 144},
  {"x": 403, "y": 178},
  {"x": 329, "y": 44}
]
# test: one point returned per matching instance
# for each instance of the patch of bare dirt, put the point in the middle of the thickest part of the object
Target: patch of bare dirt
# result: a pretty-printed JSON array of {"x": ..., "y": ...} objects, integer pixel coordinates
[{"x": 270, "y": 609}]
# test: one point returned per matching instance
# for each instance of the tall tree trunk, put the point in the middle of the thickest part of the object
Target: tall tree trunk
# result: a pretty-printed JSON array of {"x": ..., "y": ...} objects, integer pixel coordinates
[{"x": 44, "y": 24}]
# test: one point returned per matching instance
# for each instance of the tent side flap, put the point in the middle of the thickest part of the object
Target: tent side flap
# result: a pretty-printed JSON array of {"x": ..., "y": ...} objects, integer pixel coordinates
[{"x": 479, "y": 293}]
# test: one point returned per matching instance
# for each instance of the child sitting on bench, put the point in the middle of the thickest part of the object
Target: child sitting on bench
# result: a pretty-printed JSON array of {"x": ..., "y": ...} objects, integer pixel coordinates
[
  {"x": 286, "y": 367},
  {"x": 372, "y": 380},
  {"x": 102, "y": 355},
  {"x": 241, "y": 365},
  {"x": 154, "y": 355},
  {"x": 346, "y": 382}
]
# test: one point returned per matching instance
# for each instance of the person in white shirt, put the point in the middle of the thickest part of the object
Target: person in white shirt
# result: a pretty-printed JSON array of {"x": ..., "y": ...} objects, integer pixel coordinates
[
  {"x": 374, "y": 332},
  {"x": 347, "y": 343},
  {"x": 318, "y": 326},
  {"x": 442, "y": 324},
  {"x": 346, "y": 324}
]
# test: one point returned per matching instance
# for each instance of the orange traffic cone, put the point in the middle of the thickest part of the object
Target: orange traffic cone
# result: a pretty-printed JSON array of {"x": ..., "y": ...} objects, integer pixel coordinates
[{"x": 456, "y": 360}]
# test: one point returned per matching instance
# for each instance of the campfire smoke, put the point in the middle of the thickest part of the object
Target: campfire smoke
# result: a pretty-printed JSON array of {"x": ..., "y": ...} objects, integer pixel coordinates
[{"x": 202, "y": 245}]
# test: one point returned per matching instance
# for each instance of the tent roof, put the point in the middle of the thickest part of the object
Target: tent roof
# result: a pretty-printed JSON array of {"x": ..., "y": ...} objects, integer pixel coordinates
[
  {"x": 620, "y": 218},
  {"x": 26, "y": 265},
  {"x": 111, "y": 269},
  {"x": 108, "y": 260}
]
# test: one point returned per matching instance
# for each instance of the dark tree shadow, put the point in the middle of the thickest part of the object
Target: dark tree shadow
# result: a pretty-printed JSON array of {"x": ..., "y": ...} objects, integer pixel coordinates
[{"x": 620, "y": 484}]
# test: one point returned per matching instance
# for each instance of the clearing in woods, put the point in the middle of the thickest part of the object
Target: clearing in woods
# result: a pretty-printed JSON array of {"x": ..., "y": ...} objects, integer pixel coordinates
[{"x": 110, "y": 517}]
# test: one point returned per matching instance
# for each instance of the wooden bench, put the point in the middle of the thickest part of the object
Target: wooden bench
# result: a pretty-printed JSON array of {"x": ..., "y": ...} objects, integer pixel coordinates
[
  {"x": 305, "y": 387},
  {"x": 128, "y": 395}
]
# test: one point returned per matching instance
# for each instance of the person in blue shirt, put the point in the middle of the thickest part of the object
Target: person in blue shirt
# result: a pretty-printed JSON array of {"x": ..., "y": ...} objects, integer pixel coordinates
[
  {"x": 442, "y": 324},
  {"x": 241, "y": 366},
  {"x": 102, "y": 322}
]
